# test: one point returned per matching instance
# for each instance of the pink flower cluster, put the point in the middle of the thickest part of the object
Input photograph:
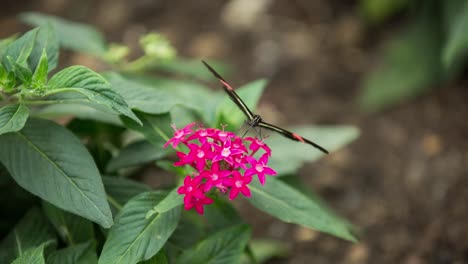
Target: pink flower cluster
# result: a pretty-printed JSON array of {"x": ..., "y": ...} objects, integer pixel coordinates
[{"x": 222, "y": 161}]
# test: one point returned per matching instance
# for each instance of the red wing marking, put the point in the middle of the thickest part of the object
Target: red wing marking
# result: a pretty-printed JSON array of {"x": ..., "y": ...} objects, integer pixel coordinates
[
  {"x": 296, "y": 136},
  {"x": 227, "y": 85}
]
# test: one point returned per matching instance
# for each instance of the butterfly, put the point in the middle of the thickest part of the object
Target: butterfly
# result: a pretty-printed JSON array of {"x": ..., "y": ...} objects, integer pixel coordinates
[{"x": 254, "y": 120}]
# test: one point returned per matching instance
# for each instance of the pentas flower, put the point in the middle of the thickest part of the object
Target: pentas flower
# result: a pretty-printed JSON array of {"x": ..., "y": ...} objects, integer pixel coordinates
[{"x": 222, "y": 161}]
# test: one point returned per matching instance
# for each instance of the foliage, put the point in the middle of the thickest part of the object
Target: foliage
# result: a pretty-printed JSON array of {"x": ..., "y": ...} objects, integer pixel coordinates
[
  {"x": 432, "y": 49},
  {"x": 71, "y": 137}
]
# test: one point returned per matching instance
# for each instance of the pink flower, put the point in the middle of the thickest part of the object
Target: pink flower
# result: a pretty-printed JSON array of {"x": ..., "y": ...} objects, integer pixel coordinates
[
  {"x": 215, "y": 177},
  {"x": 199, "y": 155},
  {"x": 179, "y": 135},
  {"x": 257, "y": 144},
  {"x": 238, "y": 183},
  {"x": 260, "y": 168},
  {"x": 219, "y": 157}
]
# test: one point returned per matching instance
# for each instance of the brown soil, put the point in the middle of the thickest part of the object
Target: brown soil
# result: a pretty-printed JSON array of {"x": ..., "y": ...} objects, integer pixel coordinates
[{"x": 403, "y": 182}]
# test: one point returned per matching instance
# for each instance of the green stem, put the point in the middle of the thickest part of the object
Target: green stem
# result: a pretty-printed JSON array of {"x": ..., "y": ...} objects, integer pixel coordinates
[{"x": 138, "y": 65}]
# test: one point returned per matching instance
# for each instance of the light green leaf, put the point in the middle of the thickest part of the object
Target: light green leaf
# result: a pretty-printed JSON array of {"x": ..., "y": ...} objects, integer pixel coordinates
[
  {"x": 46, "y": 40},
  {"x": 456, "y": 47},
  {"x": 136, "y": 153},
  {"x": 120, "y": 191},
  {"x": 91, "y": 85},
  {"x": 4, "y": 44},
  {"x": 84, "y": 253},
  {"x": 291, "y": 206},
  {"x": 156, "y": 128},
  {"x": 19, "y": 50},
  {"x": 30, "y": 232},
  {"x": 172, "y": 200},
  {"x": 60, "y": 171},
  {"x": 75, "y": 36},
  {"x": 411, "y": 66},
  {"x": 96, "y": 112},
  {"x": 32, "y": 255},
  {"x": 229, "y": 113},
  {"x": 39, "y": 77},
  {"x": 288, "y": 156},
  {"x": 23, "y": 73},
  {"x": 225, "y": 246},
  {"x": 134, "y": 237},
  {"x": 13, "y": 118},
  {"x": 142, "y": 97},
  {"x": 72, "y": 229}
]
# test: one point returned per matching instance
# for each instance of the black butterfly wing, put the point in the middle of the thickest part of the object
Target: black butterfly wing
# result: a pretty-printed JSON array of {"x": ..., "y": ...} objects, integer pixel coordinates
[
  {"x": 291, "y": 135},
  {"x": 232, "y": 94}
]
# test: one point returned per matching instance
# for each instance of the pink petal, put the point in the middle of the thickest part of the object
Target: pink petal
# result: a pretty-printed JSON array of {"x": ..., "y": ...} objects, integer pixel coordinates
[
  {"x": 199, "y": 208},
  {"x": 245, "y": 191},
  {"x": 261, "y": 178},
  {"x": 250, "y": 172},
  {"x": 233, "y": 194},
  {"x": 269, "y": 171}
]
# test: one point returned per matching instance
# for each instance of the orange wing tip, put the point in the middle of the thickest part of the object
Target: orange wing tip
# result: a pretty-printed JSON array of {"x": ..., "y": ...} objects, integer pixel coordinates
[
  {"x": 296, "y": 136},
  {"x": 226, "y": 84}
]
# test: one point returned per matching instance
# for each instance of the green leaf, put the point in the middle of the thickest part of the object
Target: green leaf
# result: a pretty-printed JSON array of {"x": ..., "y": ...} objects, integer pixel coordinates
[
  {"x": 81, "y": 111},
  {"x": 172, "y": 200},
  {"x": 156, "y": 128},
  {"x": 46, "y": 42},
  {"x": 186, "y": 94},
  {"x": 265, "y": 249},
  {"x": 60, "y": 171},
  {"x": 32, "y": 255},
  {"x": 23, "y": 73},
  {"x": 288, "y": 156},
  {"x": 120, "y": 191},
  {"x": 136, "y": 153},
  {"x": 4, "y": 44},
  {"x": 377, "y": 11},
  {"x": 30, "y": 232},
  {"x": 84, "y": 253},
  {"x": 159, "y": 258},
  {"x": 91, "y": 85},
  {"x": 19, "y": 50},
  {"x": 13, "y": 118},
  {"x": 142, "y": 97},
  {"x": 75, "y": 36},
  {"x": 39, "y": 77},
  {"x": 72, "y": 229},
  {"x": 411, "y": 65},
  {"x": 221, "y": 214},
  {"x": 134, "y": 237},
  {"x": 291, "y": 206},
  {"x": 456, "y": 47},
  {"x": 229, "y": 113},
  {"x": 225, "y": 246}
]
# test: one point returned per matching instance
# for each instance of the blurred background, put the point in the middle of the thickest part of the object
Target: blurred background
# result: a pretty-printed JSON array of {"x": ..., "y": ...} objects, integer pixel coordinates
[{"x": 393, "y": 68}]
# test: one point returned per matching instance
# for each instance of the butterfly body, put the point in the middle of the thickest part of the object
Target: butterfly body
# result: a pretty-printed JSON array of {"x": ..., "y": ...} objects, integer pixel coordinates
[{"x": 254, "y": 120}]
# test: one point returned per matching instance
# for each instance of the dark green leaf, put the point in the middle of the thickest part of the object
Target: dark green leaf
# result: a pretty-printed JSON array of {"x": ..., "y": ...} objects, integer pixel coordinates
[
  {"x": 39, "y": 77},
  {"x": 19, "y": 50},
  {"x": 225, "y": 246},
  {"x": 120, "y": 191},
  {"x": 46, "y": 42},
  {"x": 172, "y": 200},
  {"x": 291, "y": 206},
  {"x": 142, "y": 97},
  {"x": 13, "y": 118},
  {"x": 23, "y": 73},
  {"x": 377, "y": 11},
  {"x": 60, "y": 171},
  {"x": 75, "y": 36},
  {"x": 136, "y": 153},
  {"x": 411, "y": 66},
  {"x": 221, "y": 214},
  {"x": 456, "y": 47},
  {"x": 72, "y": 229},
  {"x": 159, "y": 258},
  {"x": 91, "y": 85},
  {"x": 30, "y": 232},
  {"x": 288, "y": 156},
  {"x": 84, "y": 253},
  {"x": 156, "y": 128},
  {"x": 134, "y": 237}
]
